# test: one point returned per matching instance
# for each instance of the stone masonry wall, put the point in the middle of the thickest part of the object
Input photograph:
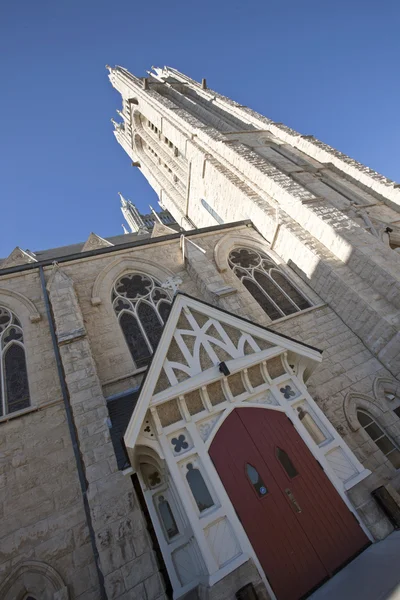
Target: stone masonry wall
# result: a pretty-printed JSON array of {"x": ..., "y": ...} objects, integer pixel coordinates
[
  {"x": 47, "y": 523},
  {"x": 41, "y": 508},
  {"x": 126, "y": 560},
  {"x": 42, "y": 514}
]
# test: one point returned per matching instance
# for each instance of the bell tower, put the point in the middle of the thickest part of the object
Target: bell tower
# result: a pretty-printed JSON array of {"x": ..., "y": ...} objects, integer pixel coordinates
[{"x": 212, "y": 160}]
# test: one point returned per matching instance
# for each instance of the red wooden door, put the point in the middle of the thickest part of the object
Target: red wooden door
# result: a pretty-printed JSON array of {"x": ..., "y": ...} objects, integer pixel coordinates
[{"x": 299, "y": 527}]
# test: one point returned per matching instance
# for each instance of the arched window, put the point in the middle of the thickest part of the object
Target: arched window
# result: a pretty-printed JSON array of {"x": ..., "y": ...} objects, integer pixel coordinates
[
  {"x": 14, "y": 389},
  {"x": 198, "y": 488},
  {"x": 142, "y": 307},
  {"x": 380, "y": 438},
  {"x": 269, "y": 286},
  {"x": 167, "y": 517}
]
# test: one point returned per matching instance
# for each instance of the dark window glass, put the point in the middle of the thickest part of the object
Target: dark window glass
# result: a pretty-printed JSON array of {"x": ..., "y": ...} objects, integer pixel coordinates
[
  {"x": 147, "y": 305},
  {"x": 397, "y": 411},
  {"x": 286, "y": 463},
  {"x": 256, "y": 481},
  {"x": 271, "y": 288},
  {"x": 16, "y": 376},
  {"x": 164, "y": 309},
  {"x": 287, "y": 287},
  {"x": 274, "y": 293},
  {"x": 150, "y": 323},
  {"x": 134, "y": 286},
  {"x": 377, "y": 434},
  {"x": 167, "y": 517},
  {"x": 385, "y": 445},
  {"x": 374, "y": 431},
  {"x": 135, "y": 340},
  {"x": 198, "y": 488},
  {"x": 262, "y": 299},
  {"x": 363, "y": 418},
  {"x": 14, "y": 389}
]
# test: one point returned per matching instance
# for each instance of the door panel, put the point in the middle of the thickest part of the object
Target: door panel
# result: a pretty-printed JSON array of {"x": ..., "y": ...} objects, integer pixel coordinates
[
  {"x": 300, "y": 529},
  {"x": 329, "y": 525},
  {"x": 270, "y": 523}
]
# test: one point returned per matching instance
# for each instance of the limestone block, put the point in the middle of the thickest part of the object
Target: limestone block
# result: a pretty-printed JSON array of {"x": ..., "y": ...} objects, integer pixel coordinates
[
  {"x": 61, "y": 594},
  {"x": 114, "y": 584},
  {"x": 56, "y": 546},
  {"x": 154, "y": 587},
  {"x": 138, "y": 570}
]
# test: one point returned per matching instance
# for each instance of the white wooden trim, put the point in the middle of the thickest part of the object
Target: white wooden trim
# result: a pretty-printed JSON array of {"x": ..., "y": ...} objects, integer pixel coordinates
[{"x": 179, "y": 304}]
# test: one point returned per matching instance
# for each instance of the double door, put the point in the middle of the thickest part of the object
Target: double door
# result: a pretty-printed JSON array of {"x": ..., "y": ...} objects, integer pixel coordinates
[{"x": 298, "y": 525}]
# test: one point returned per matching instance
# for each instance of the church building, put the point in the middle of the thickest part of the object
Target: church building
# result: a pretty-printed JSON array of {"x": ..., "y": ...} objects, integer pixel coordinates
[{"x": 207, "y": 406}]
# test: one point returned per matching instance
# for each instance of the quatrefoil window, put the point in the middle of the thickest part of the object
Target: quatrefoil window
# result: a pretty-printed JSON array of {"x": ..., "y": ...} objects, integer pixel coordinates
[
  {"x": 154, "y": 479},
  {"x": 287, "y": 392},
  {"x": 179, "y": 443}
]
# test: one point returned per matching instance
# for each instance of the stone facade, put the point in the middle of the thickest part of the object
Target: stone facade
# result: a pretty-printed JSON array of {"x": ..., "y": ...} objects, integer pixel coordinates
[{"x": 73, "y": 525}]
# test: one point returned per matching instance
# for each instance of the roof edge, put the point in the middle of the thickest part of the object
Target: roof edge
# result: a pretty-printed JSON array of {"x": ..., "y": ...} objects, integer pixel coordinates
[{"x": 126, "y": 246}]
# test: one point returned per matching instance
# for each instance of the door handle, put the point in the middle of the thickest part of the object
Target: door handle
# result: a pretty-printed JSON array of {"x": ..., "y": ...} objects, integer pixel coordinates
[{"x": 293, "y": 500}]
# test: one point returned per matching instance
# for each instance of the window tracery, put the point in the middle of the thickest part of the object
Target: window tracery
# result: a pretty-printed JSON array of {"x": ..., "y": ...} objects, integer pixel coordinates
[
  {"x": 266, "y": 283},
  {"x": 14, "y": 388},
  {"x": 379, "y": 437},
  {"x": 142, "y": 307}
]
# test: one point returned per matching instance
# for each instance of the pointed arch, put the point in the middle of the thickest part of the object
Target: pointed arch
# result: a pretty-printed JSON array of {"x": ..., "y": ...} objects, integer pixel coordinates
[
  {"x": 19, "y": 303},
  {"x": 383, "y": 385},
  {"x": 230, "y": 241},
  {"x": 136, "y": 298},
  {"x": 118, "y": 267},
  {"x": 354, "y": 401},
  {"x": 35, "y": 578},
  {"x": 14, "y": 387},
  {"x": 273, "y": 290}
]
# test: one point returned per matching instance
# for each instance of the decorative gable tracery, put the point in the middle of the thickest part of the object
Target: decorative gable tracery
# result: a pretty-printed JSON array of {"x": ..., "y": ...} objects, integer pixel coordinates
[{"x": 201, "y": 342}]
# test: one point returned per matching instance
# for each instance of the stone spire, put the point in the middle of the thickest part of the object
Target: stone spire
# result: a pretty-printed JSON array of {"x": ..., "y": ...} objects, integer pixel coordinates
[{"x": 132, "y": 216}]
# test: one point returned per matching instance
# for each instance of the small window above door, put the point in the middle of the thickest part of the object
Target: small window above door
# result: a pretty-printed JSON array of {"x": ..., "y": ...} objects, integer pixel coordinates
[{"x": 256, "y": 481}]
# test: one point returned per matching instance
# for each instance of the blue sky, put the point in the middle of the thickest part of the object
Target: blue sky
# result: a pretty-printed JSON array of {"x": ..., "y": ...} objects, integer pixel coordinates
[{"x": 324, "y": 68}]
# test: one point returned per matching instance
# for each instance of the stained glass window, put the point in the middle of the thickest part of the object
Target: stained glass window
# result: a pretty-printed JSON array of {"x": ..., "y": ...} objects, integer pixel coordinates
[
  {"x": 14, "y": 388},
  {"x": 286, "y": 463},
  {"x": 198, "y": 488},
  {"x": 142, "y": 307},
  {"x": 266, "y": 283},
  {"x": 256, "y": 480},
  {"x": 380, "y": 438}
]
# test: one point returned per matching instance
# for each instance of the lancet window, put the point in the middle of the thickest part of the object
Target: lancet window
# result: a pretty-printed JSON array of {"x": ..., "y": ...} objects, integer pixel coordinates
[
  {"x": 14, "y": 388},
  {"x": 377, "y": 435},
  {"x": 266, "y": 283},
  {"x": 142, "y": 307}
]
